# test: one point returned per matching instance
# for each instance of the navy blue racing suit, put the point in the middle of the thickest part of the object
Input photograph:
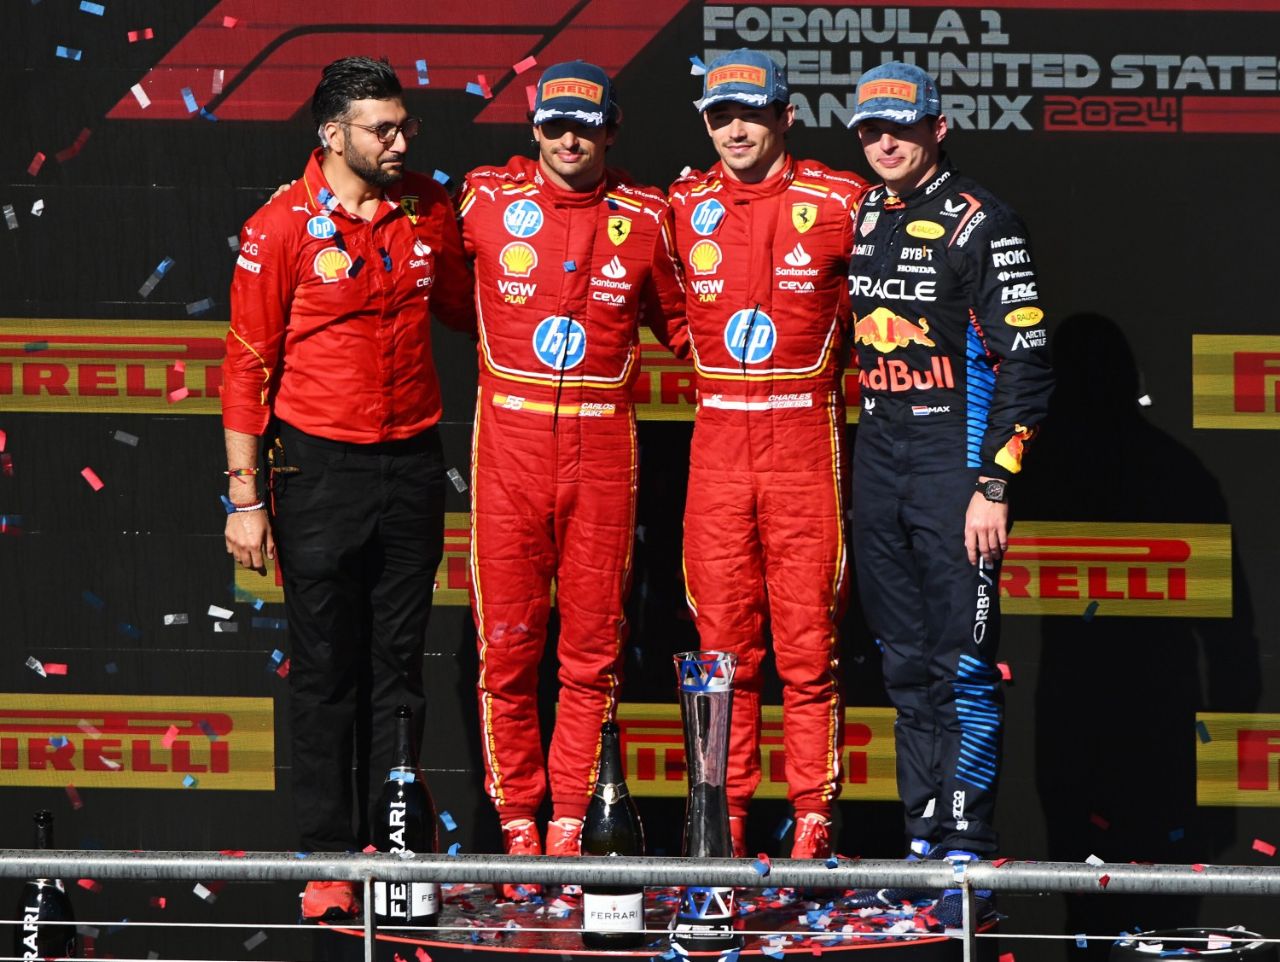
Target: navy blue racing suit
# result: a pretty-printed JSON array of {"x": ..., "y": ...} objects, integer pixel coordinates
[{"x": 955, "y": 378}]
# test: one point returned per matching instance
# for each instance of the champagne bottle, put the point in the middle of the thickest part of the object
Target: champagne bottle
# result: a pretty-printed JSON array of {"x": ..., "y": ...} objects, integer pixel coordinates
[
  {"x": 612, "y": 915},
  {"x": 45, "y": 900},
  {"x": 405, "y": 820}
]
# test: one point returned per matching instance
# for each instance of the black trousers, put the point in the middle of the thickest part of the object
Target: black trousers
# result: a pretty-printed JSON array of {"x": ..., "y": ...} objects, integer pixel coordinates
[
  {"x": 937, "y": 620},
  {"x": 360, "y": 533}
]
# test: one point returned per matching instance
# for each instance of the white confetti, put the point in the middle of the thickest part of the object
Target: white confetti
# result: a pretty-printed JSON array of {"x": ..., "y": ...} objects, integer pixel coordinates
[
  {"x": 218, "y": 76},
  {"x": 176, "y": 619},
  {"x": 140, "y": 95},
  {"x": 10, "y": 217},
  {"x": 37, "y": 666},
  {"x": 124, "y": 437},
  {"x": 1094, "y": 860},
  {"x": 458, "y": 483},
  {"x": 225, "y": 627},
  {"x": 253, "y": 941},
  {"x": 204, "y": 893},
  {"x": 1144, "y": 401},
  {"x": 223, "y": 613},
  {"x": 37, "y": 208}
]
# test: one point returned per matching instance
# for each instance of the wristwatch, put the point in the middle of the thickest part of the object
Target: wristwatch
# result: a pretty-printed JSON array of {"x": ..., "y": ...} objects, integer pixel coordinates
[{"x": 994, "y": 490}]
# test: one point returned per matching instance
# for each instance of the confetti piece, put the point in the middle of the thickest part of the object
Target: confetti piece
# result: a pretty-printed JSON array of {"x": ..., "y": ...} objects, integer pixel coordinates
[
  {"x": 234, "y": 243},
  {"x": 762, "y": 865},
  {"x": 1006, "y": 957},
  {"x": 225, "y": 628},
  {"x": 474, "y": 89},
  {"x": 441, "y": 178},
  {"x": 458, "y": 483},
  {"x": 1082, "y": 941},
  {"x": 10, "y": 217},
  {"x": 37, "y": 162},
  {"x": 230, "y": 22},
  {"x": 208, "y": 730},
  {"x": 150, "y": 283},
  {"x": 283, "y": 670},
  {"x": 91, "y": 478},
  {"x": 216, "y": 612},
  {"x": 158, "y": 901},
  {"x": 203, "y": 892},
  {"x": 422, "y": 955},
  {"x": 447, "y": 821},
  {"x": 140, "y": 96},
  {"x": 1090, "y": 611},
  {"x": 570, "y": 266},
  {"x": 57, "y": 741},
  {"x": 253, "y": 941},
  {"x": 10, "y": 524},
  {"x": 189, "y": 99},
  {"x": 1095, "y": 861},
  {"x": 784, "y": 826},
  {"x": 1176, "y": 834},
  {"x": 1266, "y": 848},
  {"x": 89, "y": 885},
  {"x": 190, "y": 781},
  {"x": 369, "y": 849},
  {"x": 32, "y": 347},
  {"x": 55, "y": 668},
  {"x": 832, "y": 862},
  {"x": 124, "y": 437},
  {"x": 170, "y": 734},
  {"x": 455, "y": 848},
  {"x": 74, "y": 797},
  {"x": 68, "y": 53},
  {"x": 97, "y": 9},
  {"x": 208, "y": 115},
  {"x": 271, "y": 624},
  {"x": 1005, "y": 673},
  {"x": 423, "y": 79},
  {"x": 1144, "y": 401},
  {"x": 1202, "y": 731},
  {"x": 485, "y": 90},
  {"x": 998, "y": 862},
  {"x": 1198, "y": 867},
  {"x": 528, "y": 63},
  {"x": 531, "y": 94},
  {"x": 146, "y": 33},
  {"x": 404, "y": 778},
  {"x": 1104, "y": 881},
  {"x": 696, "y": 67},
  {"x": 88, "y": 729},
  {"x": 36, "y": 665},
  {"x": 216, "y": 86},
  {"x": 179, "y": 618},
  {"x": 277, "y": 656},
  {"x": 1099, "y": 821},
  {"x": 179, "y": 394},
  {"x": 37, "y": 208}
]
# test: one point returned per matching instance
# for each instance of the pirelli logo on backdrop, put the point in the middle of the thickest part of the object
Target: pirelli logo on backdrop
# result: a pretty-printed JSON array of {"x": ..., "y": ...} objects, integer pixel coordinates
[
  {"x": 1141, "y": 570},
  {"x": 664, "y": 389},
  {"x": 1235, "y": 381},
  {"x": 1237, "y": 759},
  {"x": 453, "y": 577},
  {"x": 114, "y": 367},
  {"x": 137, "y": 741},
  {"x": 653, "y": 752}
]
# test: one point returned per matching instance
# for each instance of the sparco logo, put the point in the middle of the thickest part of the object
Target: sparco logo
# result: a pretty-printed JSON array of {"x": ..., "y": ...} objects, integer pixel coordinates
[
  {"x": 957, "y": 811},
  {"x": 970, "y": 227}
]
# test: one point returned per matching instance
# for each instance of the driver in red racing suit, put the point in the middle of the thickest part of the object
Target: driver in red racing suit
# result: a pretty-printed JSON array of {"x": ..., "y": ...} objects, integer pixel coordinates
[
  {"x": 765, "y": 240},
  {"x": 569, "y": 258}
]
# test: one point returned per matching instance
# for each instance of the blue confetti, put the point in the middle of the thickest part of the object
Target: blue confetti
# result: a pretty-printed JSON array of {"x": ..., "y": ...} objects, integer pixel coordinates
[
  {"x": 163, "y": 267},
  {"x": 57, "y": 741},
  {"x": 257, "y": 604},
  {"x": 33, "y": 346},
  {"x": 1082, "y": 942},
  {"x": 697, "y": 63},
  {"x": 190, "y": 781},
  {"x": 1177, "y": 834},
  {"x": 423, "y": 80},
  {"x": 475, "y": 88},
  {"x": 772, "y": 952},
  {"x": 68, "y": 53},
  {"x": 454, "y": 849},
  {"x": 1202, "y": 730},
  {"x": 784, "y": 826},
  {"x": 208, "y": 730},
  {"x": 277, "y": 656},
  {"x": 189, "y": 99},
  {"x": 92, "y": 600},
  {"x": 299, "y": 854},
  {"x": 441, "y": 178},
  {"x": 96, "y": 9},
  {"x": 570, "y": 266},
  {"x": 447, "y": 821},
  {"x": 1090, "y": 611},
  {"x": 832, "y": 862},
  {"x": 761, "y": 867},
  {"x": 404, "y": 778},
  {"x": 208, "y": 115}
]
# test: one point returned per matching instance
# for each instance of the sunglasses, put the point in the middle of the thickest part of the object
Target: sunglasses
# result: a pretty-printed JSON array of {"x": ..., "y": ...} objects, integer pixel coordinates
[{"x": 387, "y": 132}]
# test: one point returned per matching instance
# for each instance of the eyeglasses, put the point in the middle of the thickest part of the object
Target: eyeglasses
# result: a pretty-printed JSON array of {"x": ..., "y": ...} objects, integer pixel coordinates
[{"x": 387, "y": 132}]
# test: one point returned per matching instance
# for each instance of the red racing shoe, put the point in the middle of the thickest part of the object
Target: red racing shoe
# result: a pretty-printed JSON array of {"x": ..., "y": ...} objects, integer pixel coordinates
[
  {"x": 520, "y": 837},
  {"x": 330, "y": 902},
  {"x": 813, "y": 837}
]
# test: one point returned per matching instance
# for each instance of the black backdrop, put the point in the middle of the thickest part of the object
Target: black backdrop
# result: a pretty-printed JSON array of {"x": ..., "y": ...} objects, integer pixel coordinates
[{"x": 1135, "y": 138}]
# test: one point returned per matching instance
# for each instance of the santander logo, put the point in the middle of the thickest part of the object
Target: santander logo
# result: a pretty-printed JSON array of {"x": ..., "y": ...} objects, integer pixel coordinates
[
  {"x": 614, "y": 269},
  {"x": 798, "y": 257}
]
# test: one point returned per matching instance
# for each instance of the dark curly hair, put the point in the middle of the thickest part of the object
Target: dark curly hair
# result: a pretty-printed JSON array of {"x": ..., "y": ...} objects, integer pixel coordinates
[{"x": 348, "y": 79}]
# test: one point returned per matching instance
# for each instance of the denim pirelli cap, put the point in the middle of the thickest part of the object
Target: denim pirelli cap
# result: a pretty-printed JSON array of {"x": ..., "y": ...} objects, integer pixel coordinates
[
  {"x": 575, "y": 90},
  {"x": 745, "y": 77},
  {"x": 898, "y": 92}
]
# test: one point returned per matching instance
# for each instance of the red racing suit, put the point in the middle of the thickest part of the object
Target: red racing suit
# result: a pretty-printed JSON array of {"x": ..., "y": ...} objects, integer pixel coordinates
[
  {"x": 764, "y": 521},
  {"x": 562, "y": 280}
]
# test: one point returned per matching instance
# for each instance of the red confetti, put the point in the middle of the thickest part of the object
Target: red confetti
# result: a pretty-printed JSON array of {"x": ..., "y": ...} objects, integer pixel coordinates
[
  {"x": 67, "y": 153},
  {"x": 158, "y": 901},
  {"x": 1198, "y": 867},
  {"x": 89, "y": 885},
  {"x": 179, "y": 394},
  {"x": 233, "y": 852},
  {"x": 1266, "y": 848},
  {"x": 998, "y": 862},
  {"x": 283, "y": 670},
  {"x": 1099, "y": 821},
  {"x": 75, "y": 797},
  {"x": 531, "y": 92},
  {"x": 421, "y": 953},
  {"x": 169, "y": 736},
  {"x": 1005, "y": 673},
  {"x": 524, "y": 64},
  {"x": 230, "y": 22},
  {"x": 483, "y": 81},
  {"x": 3, "y": 440},
  {"x": 37, "y": 162},
  {"x": 1006, "y": 957},
  {"x": 6, "y": 464},
  {"x": 91, "y": 478},
  {"x": 370, "y": 849},
  {"x": 54, "y": 668},
  {"x": 180, "y": 367},
  {"x": 1104, "y": 881},
  {"x": 146, "y": 33}
]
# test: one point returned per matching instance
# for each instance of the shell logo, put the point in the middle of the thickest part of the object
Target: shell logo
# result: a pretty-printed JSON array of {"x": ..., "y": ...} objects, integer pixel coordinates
[
  {"x": 705, "y": 257},
  {"x": 926, "y": 229},
  {"x": 332, "y": 265},
  {"x": 518, "y": 259},
  {"x": 1024, "y": 317}
]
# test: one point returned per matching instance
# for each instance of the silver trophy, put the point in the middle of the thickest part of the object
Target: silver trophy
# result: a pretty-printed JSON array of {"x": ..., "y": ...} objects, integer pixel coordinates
[{"x": 704, "y": 920}]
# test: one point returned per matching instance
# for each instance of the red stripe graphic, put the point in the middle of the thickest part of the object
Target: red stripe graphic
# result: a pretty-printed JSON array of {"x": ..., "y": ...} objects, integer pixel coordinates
[{"x": 1231, "y": 115}]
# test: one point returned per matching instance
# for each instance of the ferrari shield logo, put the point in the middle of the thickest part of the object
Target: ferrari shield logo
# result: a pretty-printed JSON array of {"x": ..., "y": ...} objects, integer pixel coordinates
[
  {"x": 619, "y": 229},
  {"x": 409, "y": 204},
  {"x": 804, "y": 216}
]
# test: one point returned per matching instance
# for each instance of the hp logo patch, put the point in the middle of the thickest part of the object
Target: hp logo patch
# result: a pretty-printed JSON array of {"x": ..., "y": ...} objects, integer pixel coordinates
[
  {"x": 560, "y": 343},
  {"x": 321, "y": 227},
  {"x": 750, "y": 336},
  {"x": 707, "y": 216},
  {"x": 523, "y": 218}
]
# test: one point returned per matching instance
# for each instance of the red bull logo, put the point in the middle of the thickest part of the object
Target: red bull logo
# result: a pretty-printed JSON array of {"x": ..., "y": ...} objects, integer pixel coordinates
[{"x": 886, "y": 331}]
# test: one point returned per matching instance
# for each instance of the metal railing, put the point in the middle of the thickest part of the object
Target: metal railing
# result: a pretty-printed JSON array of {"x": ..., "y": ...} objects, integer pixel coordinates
[{"x": 1070, "y": 878}]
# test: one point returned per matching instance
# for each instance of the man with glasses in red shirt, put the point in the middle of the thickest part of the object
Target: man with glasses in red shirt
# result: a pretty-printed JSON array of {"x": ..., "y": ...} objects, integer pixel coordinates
[{"x": 329, "y": 357}]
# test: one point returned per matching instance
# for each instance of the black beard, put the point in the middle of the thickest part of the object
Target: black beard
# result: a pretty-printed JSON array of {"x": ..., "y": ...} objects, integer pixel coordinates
[{"x": 371, "y": 173}]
